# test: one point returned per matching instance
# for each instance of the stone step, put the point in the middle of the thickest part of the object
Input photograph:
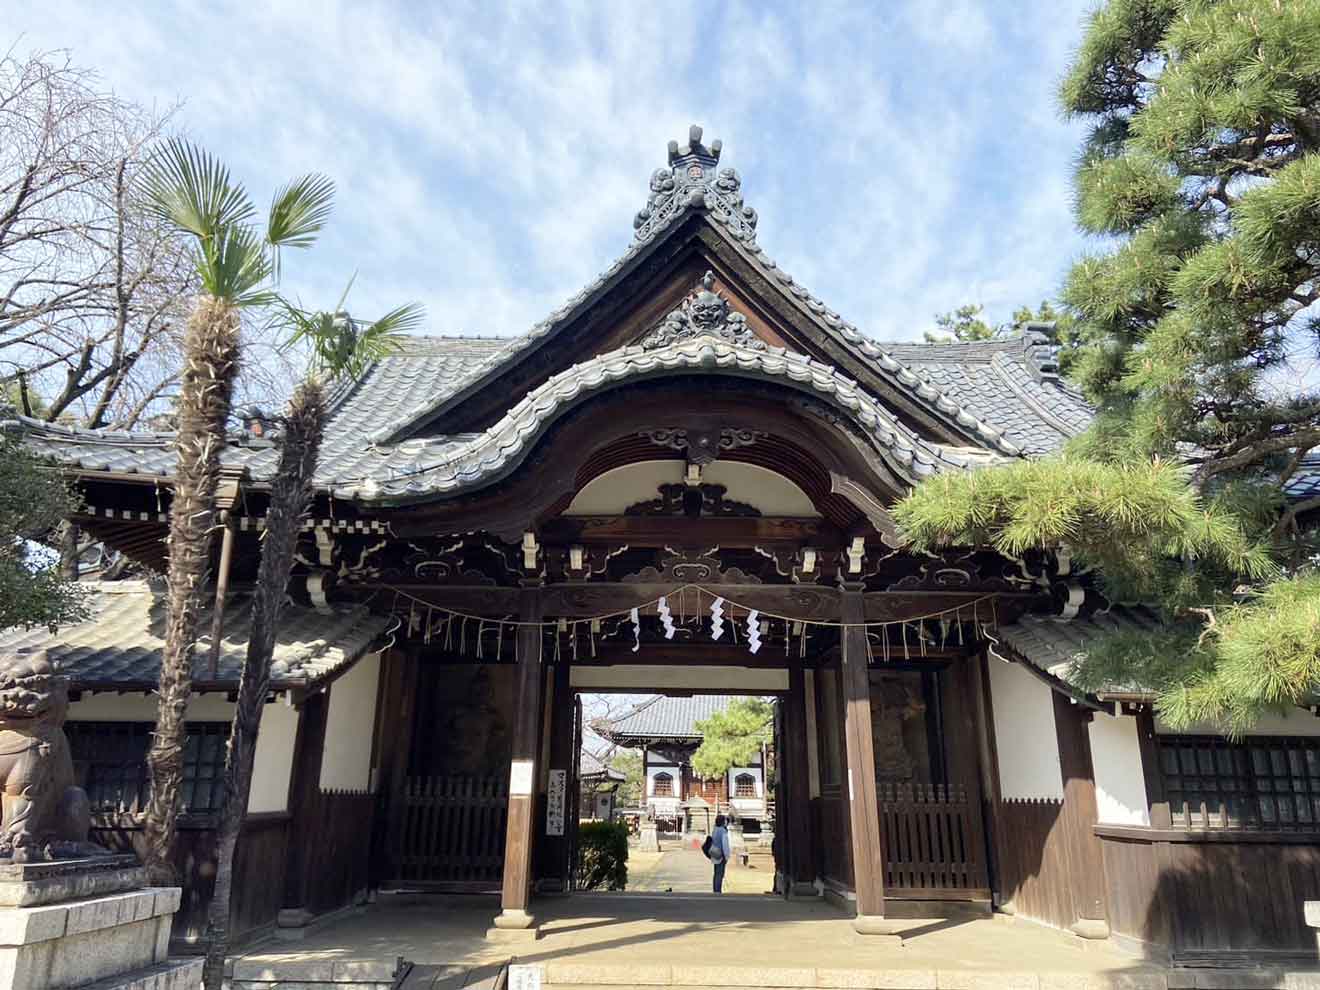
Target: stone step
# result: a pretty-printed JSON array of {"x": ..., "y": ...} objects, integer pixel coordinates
[{"x": 173, "y": 974}]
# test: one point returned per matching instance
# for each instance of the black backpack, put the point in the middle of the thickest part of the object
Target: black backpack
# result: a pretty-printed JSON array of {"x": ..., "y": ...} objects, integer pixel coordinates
[{"x": 705, "y": 846}]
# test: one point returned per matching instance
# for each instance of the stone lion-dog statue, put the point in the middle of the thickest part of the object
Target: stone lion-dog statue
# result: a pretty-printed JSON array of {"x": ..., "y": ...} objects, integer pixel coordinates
[{"x": 46, "y": 815}]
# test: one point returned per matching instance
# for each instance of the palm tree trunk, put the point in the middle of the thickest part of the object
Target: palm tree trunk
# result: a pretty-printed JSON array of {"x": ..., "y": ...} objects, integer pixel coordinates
[
  {"x": 290, "y": 496},
  {"x": 210, "y": 365}
]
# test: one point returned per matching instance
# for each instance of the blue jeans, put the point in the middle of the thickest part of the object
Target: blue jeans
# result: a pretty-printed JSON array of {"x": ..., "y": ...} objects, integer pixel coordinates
[{"x": 719, "y": 875}]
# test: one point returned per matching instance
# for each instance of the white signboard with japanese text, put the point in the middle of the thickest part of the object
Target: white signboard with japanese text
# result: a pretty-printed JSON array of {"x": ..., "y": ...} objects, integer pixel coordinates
[{"x": 556, "y": 797}]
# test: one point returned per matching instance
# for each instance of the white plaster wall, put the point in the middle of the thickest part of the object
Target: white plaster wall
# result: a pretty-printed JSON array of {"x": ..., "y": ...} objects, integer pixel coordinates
[
  {"x": 1295, "y": 722},
  {"x": 615, "y": 490},
  {"x": 1120, "y": 786},
  {"x": 658, "y": 678},
  {"x": 273, "y": 761},
  {"x": 349, "y": 727},
  {"x": 1024, "y": 734}
]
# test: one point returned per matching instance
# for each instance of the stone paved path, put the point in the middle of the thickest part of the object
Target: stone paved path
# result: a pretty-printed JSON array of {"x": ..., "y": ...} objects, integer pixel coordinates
[{"x": 681, "y": 869}]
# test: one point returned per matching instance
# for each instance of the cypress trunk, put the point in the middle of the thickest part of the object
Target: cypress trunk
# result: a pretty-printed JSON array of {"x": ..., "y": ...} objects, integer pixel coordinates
[
  {"x": 210, "y": 365},
  {"x": 291, "y": 494}
]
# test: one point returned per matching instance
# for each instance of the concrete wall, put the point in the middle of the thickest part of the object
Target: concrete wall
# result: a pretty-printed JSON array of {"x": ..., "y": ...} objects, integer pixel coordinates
[
  {"x": 1025, "y": 736},
  {"x": 274, "y": 756},
  {"x": 1120, "y": 787},
  {"x": 350, "y": 725}
]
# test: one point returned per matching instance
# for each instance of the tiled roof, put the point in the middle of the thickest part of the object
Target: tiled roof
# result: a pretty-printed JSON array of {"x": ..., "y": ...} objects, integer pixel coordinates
[
  {"x": 1305, "y": 484},
  {"x": 353, "y": 467},
  {"x": 121, "y": 642},
  {"x": 666, "y": 718},
  {"x": 1052, "y": 644},
  {"x": 590, "y": 766},
  {"x": 1009, "y": 382}
]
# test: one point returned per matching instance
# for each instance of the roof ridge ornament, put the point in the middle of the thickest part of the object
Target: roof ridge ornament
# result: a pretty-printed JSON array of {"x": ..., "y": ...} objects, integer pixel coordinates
[
  {"x": 704, "y": 313},
  {"x": 694, "y": 178}
]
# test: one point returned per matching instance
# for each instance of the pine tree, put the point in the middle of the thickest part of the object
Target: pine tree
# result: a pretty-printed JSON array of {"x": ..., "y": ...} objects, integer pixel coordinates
[
  {"x": 1202, "y": 175},
  {"x": 733, "y": 737}
]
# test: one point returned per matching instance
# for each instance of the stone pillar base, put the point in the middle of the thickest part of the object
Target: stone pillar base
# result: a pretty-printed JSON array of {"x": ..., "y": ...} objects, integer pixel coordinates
[
  {"x": 803, "y": 888},
  {"x": 513, "y": 926},
  {"x": 1091, "y": 928},
  {"x": 879, "y": 928},
  {"x": 76, "y": 940}
]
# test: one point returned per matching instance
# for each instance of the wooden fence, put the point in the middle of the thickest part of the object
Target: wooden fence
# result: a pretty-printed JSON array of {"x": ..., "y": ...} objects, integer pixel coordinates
[
  {"x": 450, "y": 831},
  {"x": 259, "y": 861},
  {"x": 1212, "y": 895},
  {"x": 339, "y": 852},
  {"x": 932, "y": 847}
]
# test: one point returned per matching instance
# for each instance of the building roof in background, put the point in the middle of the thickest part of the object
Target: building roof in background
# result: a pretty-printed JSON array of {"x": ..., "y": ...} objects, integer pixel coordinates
[
  {"x": 665, "y": 718},
  {"x": 589, "y": 766},
  {"x": 120, "y": 644}
]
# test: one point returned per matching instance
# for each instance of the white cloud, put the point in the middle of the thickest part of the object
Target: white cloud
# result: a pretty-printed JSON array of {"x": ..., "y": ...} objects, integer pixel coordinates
[{"x": 490, "y": 160}]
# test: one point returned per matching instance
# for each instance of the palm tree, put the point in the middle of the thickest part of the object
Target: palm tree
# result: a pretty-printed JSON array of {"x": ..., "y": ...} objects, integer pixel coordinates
[
  {"x": 340, "y": 348},
  {"x": 237, "y": 263}
]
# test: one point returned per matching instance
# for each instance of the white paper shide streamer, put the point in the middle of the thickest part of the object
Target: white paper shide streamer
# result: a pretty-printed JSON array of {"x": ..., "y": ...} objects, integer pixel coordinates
[
  {"x": 717, "y": 618},
  {"x": 666, "y": 617},
  {"x": 637, "y": 630},
  {"x": 753, "y": 631}
]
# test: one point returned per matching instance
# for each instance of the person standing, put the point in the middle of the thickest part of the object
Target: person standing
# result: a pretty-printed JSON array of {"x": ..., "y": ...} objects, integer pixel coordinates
[{"x": 720, "y": 851}]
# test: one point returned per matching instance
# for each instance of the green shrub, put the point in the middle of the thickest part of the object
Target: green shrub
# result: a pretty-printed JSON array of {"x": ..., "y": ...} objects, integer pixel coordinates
[{"x": 602, "y": 856}]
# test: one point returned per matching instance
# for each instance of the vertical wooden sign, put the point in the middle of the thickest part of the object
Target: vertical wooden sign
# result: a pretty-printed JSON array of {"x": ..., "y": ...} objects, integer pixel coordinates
[{"x": 556, "y": 799}]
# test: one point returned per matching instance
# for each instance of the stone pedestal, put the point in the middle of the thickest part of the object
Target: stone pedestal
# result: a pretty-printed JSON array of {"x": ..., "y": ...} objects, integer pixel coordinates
[
  {"x": 75, "y": 923},
  {"x": 649, "y": 838}
]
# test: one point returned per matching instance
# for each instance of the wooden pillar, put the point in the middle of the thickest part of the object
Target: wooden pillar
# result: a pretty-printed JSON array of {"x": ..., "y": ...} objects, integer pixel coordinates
[
  {"x": 304, "y": 791},
  {"x": 800, "y": 871},
  {"x": 1071, "y": 723},
  {"x": 227, "y": 498},
  {"x": 514, "y": 916},
  {"x": 863, "y": 806},
  {"x": 987, "y": 764},
  {"x": 554, "y": 864},
  {"x": 1156, "y": 800}
]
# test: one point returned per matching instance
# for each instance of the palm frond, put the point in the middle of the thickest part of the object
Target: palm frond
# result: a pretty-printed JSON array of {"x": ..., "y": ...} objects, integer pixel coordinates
[
  {"x": 299, "y": 211},
  {"x": 342, "y": 346},
  {"x": 191, "y": 190},
  {"x": 236, "y": 263}
]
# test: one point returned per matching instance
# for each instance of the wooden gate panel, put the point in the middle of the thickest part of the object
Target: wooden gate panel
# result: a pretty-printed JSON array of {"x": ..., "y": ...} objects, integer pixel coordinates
[
  {"x": 452, "y": 832},
  {"x": 931, "y": 842}
]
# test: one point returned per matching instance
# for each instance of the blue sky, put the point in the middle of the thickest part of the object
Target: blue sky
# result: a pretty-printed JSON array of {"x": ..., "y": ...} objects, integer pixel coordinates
[{"x": 490, "y": 158}]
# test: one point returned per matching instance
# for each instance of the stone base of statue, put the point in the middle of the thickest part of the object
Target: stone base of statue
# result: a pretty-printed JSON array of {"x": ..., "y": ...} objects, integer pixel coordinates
[
  {"x": 649, "y": 838},
  {"x": 88, "y": 923}
]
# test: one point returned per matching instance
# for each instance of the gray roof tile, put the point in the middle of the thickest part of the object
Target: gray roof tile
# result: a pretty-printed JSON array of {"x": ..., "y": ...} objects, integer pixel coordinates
[
  {"x": 122, "y": 640},
  {"x": 1053, "y": 645},
  {"x": 666, "y": 718}
]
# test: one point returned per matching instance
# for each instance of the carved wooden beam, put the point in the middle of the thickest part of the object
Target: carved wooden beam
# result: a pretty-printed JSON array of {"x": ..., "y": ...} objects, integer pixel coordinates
[{"x": 722, "y": 531}]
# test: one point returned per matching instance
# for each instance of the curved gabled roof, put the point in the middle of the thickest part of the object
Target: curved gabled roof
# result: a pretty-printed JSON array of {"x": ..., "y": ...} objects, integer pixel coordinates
[{"x": 385, "y": 437}]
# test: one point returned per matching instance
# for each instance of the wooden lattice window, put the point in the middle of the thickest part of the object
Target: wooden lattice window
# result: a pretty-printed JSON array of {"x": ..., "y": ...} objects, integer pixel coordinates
[
  {"x": 664, "y": 785},
  {"x": 744, "y": 786},
  {"x": 110, "y": 759},
  {"x": 1262, "y": 782}
]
